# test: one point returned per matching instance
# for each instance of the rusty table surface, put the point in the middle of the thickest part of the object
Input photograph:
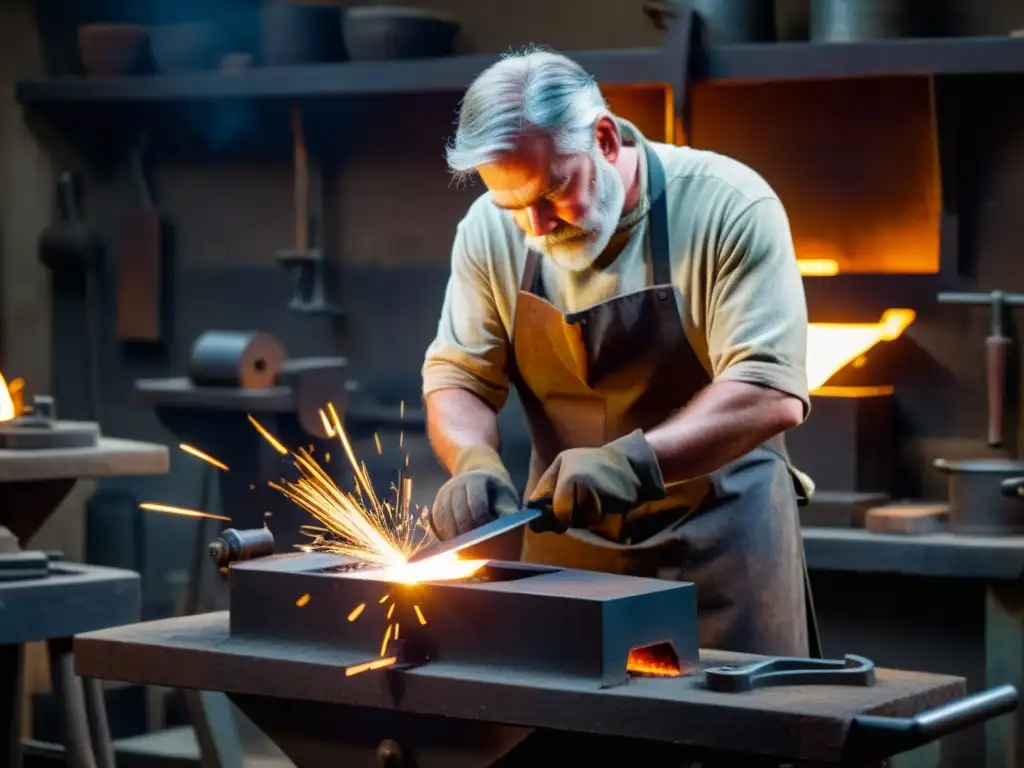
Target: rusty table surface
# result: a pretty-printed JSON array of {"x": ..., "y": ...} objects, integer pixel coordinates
[{"x": 800, "y": 722}]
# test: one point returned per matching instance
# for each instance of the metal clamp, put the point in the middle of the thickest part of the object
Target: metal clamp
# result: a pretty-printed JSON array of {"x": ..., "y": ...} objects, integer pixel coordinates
[{"x": 852, "y": 670}]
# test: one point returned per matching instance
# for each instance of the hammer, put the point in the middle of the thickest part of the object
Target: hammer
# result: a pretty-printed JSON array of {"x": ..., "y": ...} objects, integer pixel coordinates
[{"x": 997, "y": 347}]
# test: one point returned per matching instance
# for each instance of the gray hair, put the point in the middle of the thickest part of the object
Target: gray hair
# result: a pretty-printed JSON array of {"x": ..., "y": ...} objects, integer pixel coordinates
[{"x": 532, "y": 90}]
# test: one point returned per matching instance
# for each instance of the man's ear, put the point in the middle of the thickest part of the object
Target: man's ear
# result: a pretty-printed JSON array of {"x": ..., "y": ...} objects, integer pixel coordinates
[{"x": 608, "y": 138}]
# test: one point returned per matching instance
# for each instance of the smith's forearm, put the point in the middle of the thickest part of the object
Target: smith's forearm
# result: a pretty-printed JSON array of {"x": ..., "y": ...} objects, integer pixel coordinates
[
  {"x": 725, "y": 421},
  {"x": 457, "y": 419}
]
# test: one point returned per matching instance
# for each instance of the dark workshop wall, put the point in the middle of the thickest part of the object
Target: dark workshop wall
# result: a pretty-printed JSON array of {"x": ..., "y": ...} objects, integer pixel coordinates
[{"x": 393, "y": 212}]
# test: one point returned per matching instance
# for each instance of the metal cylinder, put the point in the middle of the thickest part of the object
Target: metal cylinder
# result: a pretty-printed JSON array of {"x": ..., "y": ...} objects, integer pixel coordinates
[
  {"x": 241, "y": 359},
  {"x": 236, "y": 545},
  {"x": 849, "y": 21},
  {"x": 736, "y": 21}
]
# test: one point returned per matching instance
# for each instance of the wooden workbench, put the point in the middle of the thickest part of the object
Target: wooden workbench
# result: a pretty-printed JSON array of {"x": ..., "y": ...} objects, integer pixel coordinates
[{"x": 804, "y": 722}]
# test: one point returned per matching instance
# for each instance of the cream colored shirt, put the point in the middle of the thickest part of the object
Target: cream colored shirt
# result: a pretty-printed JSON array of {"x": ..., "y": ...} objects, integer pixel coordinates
[{"x": 739, "y": 292}]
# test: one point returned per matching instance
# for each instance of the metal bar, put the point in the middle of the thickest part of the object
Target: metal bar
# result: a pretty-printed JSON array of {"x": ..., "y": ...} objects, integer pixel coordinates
[{"x": 982, "y": 299}]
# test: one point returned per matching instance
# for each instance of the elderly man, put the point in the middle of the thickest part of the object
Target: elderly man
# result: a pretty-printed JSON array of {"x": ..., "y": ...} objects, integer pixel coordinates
[{"x": 644, "y": 299}]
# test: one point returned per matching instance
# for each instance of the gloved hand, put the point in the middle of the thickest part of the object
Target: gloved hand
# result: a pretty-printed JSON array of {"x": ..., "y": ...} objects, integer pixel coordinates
[
  {"x": 480, "y": 491},
  {"x": 585, "y": 484}
]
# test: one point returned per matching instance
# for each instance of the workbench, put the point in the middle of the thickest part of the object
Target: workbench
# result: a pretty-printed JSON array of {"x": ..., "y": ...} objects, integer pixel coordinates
[
  {"x": 940, "y": 602},
  {"x": 460, "y": 715}
]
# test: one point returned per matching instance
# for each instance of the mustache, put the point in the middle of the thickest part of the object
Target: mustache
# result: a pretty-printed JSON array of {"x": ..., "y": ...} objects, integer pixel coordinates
[{"x": 563, "y": 234}]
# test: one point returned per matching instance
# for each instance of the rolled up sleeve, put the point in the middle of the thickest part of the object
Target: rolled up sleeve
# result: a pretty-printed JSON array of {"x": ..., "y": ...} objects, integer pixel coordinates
[
  {"x": 471, "y": 348},
  {"x": 757, "y": 317}
]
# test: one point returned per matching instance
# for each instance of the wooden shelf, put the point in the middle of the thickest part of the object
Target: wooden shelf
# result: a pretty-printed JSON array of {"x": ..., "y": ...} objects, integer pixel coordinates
[{"x": 642, "y": 66}]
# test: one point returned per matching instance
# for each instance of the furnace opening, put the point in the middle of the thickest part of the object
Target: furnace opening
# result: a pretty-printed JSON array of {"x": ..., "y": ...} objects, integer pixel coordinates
[{"x": 656, "y": 660}]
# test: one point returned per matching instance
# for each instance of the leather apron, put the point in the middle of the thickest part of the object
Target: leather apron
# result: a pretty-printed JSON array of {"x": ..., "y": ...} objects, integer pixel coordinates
[{"x": 592, "y": 376}]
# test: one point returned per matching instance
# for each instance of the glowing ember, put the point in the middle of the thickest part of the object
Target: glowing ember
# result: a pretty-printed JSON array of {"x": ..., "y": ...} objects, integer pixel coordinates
[
  {"x": 653, "y": 661},
  {"x": 303, "y": 601},
  {"x": 182, "y": 511},
  {"x": 357, "y": 611}
]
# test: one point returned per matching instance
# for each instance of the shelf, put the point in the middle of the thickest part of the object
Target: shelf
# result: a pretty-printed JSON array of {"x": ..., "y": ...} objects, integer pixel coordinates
[
  {"x": 883, "y": 58},
  {"x": 624, "y": 67},
  {"x": 642, "y": 66}
]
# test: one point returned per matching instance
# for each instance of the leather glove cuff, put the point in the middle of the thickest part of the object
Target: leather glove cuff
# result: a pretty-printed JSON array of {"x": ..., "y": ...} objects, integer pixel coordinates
[
  {"x": 480, "y": 458},
  {"x": 639, "y": 454}
]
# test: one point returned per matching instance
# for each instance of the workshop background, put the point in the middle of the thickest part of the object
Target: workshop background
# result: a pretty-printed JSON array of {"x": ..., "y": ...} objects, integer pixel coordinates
[{"x": 222, "y": 178}]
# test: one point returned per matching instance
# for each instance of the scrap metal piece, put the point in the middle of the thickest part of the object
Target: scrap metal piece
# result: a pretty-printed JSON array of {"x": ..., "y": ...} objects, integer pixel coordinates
[
  {"x": 851, "y": 670},
  {"x": 478, "y": 535}
]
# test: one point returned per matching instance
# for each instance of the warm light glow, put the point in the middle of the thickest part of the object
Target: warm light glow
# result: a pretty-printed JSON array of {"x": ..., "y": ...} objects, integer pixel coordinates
[
  {"x": 445, "y": 567},
  {"x": 371, "y": 665},
  {"x": 818, "y": 267},
  {"x": 654, "y": 661},
  {"x": 831, "y": 346},
  {"x": 7, "y": 410}
]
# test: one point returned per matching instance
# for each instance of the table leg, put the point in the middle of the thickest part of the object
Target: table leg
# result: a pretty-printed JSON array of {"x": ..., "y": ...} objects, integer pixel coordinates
[
  {"x": 99, "y": 728},
  {"x": 216, "y": 731},
  {"x": 1004, "y": 662},
  {"x": 69, "y": 698},
  {"x": 11, "y": 686}
]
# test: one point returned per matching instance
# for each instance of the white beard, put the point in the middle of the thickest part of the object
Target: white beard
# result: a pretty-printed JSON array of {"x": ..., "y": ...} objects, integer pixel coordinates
[{"x": 576, "y": 248}]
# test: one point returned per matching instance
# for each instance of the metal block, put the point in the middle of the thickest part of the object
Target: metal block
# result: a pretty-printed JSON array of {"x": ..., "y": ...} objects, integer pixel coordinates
[
  {"x": 514, "y": 616},
  {"x": 846, "y": 443}
]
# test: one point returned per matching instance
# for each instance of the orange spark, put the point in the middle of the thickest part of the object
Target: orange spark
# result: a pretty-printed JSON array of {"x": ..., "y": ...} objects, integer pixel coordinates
[
  {"x": 391, "y": 610},
  {"x": 396, "y": 630},
  {"x": 387, "y": 639},
  {"x": 356, "y": 612},
  {"x": 376, "y": 440},
  {"x": 383, "y": 599},
  {"x": 267, "y": 436},
  {"x": 151, "y": 507},
  {"x": 419, "y": 614},
  {"x": 370, "y": 665},
  {"x": 204, "y": 456},
  {"x": 328, "y": 429},
  {"x": 302, "y": 601}
]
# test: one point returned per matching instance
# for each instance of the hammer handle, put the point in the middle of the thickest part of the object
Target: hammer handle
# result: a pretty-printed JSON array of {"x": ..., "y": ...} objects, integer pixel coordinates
[{"x": 996, "y": 352}]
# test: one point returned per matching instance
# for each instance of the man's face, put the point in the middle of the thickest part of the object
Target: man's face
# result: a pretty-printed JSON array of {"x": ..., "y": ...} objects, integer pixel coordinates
[{"x": 567, "y": 206}]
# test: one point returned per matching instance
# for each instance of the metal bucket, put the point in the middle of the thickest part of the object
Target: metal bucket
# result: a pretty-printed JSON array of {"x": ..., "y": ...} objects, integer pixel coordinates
[
  {"x": 736, "y": 21},
  {"x": 849, "y": 21}
]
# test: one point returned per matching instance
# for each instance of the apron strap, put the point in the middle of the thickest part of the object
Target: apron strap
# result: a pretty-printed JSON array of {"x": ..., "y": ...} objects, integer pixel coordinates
[
  {"x": 661, "y": 263},
  {"x": 530, "y": 272}
]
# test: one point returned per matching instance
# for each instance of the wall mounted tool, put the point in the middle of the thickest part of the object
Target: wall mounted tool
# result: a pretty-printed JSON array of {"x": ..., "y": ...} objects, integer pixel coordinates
[
  {"x": 74, "y": 251},
  {"x": 997, "y": 353},
  {"x": 306, "y": 262},
  {"x": 140, "y": 263}
]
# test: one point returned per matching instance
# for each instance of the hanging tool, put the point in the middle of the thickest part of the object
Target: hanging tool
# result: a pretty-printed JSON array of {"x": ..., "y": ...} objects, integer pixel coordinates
[
  {"x": 70, "y": 248},
  {"x": 997, "y": 352},
  {"x": 140, "y": 262},
  {"x": 307, "y": 261}
]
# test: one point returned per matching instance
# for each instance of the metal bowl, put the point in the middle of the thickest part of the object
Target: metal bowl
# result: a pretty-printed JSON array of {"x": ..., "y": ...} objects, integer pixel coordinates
[{"x": 375, "y": 33}]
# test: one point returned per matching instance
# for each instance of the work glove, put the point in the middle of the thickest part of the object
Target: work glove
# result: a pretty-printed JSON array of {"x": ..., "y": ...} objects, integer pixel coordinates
[
  {"x": 585, "y": 484},
  {"x": 480, "y": 491}
]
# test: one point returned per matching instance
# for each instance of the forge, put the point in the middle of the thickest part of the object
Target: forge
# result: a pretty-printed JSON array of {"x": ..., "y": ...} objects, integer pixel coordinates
[{"x": 517, "y": 617}]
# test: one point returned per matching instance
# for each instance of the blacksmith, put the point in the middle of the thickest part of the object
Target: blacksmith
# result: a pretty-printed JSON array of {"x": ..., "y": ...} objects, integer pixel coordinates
[{"x": 645, "y": 302}]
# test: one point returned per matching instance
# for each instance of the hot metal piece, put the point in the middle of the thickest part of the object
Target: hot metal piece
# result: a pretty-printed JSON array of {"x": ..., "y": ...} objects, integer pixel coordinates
[
  {"x": 852, "y": 670},
  {"x": 478, "y": 535}
]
